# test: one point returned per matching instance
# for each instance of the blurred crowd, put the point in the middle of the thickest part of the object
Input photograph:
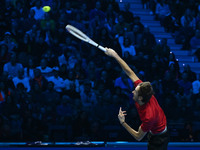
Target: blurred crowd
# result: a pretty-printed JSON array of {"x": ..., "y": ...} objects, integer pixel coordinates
[{"x": 54, "y": 87}]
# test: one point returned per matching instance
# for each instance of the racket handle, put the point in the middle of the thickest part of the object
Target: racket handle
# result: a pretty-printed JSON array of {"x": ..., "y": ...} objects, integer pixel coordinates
[{"x": 101, "y": 48}]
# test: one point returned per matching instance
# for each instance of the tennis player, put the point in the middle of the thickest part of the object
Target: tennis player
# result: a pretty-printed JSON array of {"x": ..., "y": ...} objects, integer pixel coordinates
[{"x": 151, "y": 114}]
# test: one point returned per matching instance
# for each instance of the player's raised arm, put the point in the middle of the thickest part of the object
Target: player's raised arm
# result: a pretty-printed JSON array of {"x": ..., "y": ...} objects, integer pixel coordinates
[{"x": 123, "y": 64}]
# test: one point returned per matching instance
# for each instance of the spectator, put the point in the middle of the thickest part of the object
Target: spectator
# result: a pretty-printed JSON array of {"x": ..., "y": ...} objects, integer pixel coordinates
[
  {"x": 47, "y": 3},
  {"x": 21, "y": 9},
  {"x": 135, "y": 35},
  {"x": 105, "y": 79},
  {"x": 21, "y": 79},
  {"x": 63, "y": 71},
  {"x": 72, "y": 60},
  {"x": 69, "y": 11},
  {"x": 39, "y": 80},
  {"x": 169, "y": 84},
  {"x": 45, "y": 70},
  {"x": 79, "y": 71},
  {"x": 97, "y": 12},
  {"x": 185, "y": 85},
  {"x": 121, "y": 26},
  {"x": 65, "y": 109},
  {"x": 188, "y": 20},
  {"x": 178, "y": 8},
  {"x": 95, "y": 26},
  {"x": 9, "y": 41},
  {"x": 195, "y": 40},
  {"x": 139, "y": 62},
  {"x": 162, "y": 49},
  {"x": 174, "y": 61},
  {"x": 37, "y": 98},
  {"x": 195, "y": 91},
  {"x": 51, "y": 96},
  {"x": 63, "y": 58},
  {"x": 91, "y": 69},
  {"x": 29, "y": 70},
  {"x": 39, "y": 46},
  {"x": 124, "y": 83},
  {"x": 174, "y": 72},
  {"x": 71, "y": 81},
  {"x": 15, "y": 30},
  {"x": 28, "y": 21},
  {"x": 25, "y": 45},
  {"x": 145, "y": 48},
  {"x": 47, "y": 23},
  {"x": 152, "y": 6},
  {"x": 32, "y": 32},
  {"x": 191, "y": 74},
  {"x": 109, "y": 24},
  {"x": 111, "y": 72},
  {"x": 5, "y": 77},
  {"x": 114, "y": 4},
  {"x": 57, "y": 81},
  {"x": 51, "y": 59},
  {"x": 156, "y": 72},
  {"x": 151, "y": 41},
  {"x": 12, "y": 67},
  {"x": 138, "y": 22},
  {"x": 172, "y": 22},
  {"x": 128, "y": 15},
  {"x": 84, "y": 13},
  {"x": 145, "y": 4},
  {"x": 88, "y": 96},
  {"x": 127, "y": 46},
  {"x": 162, "y": 11},
  {"x": 39, "y": 13},
  {"x": 110, "y": 12},
  {"x": 104, "y": 37},
  {"x": 79, "y": 23}
]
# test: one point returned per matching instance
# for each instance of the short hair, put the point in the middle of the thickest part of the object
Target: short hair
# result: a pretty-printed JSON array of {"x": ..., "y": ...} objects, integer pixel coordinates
[{"x": 146, "y": 91}]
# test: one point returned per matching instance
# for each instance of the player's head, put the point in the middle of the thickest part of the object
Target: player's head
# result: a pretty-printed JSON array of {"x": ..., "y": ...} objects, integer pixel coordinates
[{"x": 143, "y": 92}]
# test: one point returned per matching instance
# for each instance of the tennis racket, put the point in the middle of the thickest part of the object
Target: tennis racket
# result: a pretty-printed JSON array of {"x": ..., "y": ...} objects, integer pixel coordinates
[{"x": 80, "y": 35}]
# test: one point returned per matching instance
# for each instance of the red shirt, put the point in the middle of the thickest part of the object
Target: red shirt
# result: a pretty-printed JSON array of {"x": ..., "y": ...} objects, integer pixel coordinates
[{"x": 151, "y": 114}]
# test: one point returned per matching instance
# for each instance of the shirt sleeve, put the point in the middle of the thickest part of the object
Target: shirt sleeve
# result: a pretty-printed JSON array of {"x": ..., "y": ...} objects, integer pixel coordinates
[{"x": 137, "y": 82}]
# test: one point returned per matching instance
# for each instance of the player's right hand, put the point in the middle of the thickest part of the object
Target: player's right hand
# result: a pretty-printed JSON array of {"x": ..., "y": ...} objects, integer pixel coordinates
[{"x": 110, "y": 52}]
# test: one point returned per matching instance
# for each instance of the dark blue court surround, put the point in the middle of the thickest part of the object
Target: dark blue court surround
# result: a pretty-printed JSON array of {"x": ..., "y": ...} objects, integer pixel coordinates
[{"x": 97, "y": 146}]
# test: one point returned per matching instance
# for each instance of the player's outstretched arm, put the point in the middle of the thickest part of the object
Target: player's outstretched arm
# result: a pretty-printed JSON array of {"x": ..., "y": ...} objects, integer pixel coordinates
[{"x": 110, "y": 52}]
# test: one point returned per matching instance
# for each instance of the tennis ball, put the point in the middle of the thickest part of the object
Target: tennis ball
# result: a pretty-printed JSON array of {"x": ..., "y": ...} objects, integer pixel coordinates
[{"x": 46, "y": 8}]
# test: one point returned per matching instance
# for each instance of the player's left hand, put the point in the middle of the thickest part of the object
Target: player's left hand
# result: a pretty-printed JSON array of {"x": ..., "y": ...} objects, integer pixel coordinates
[{"x": 121, "y": 115}]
